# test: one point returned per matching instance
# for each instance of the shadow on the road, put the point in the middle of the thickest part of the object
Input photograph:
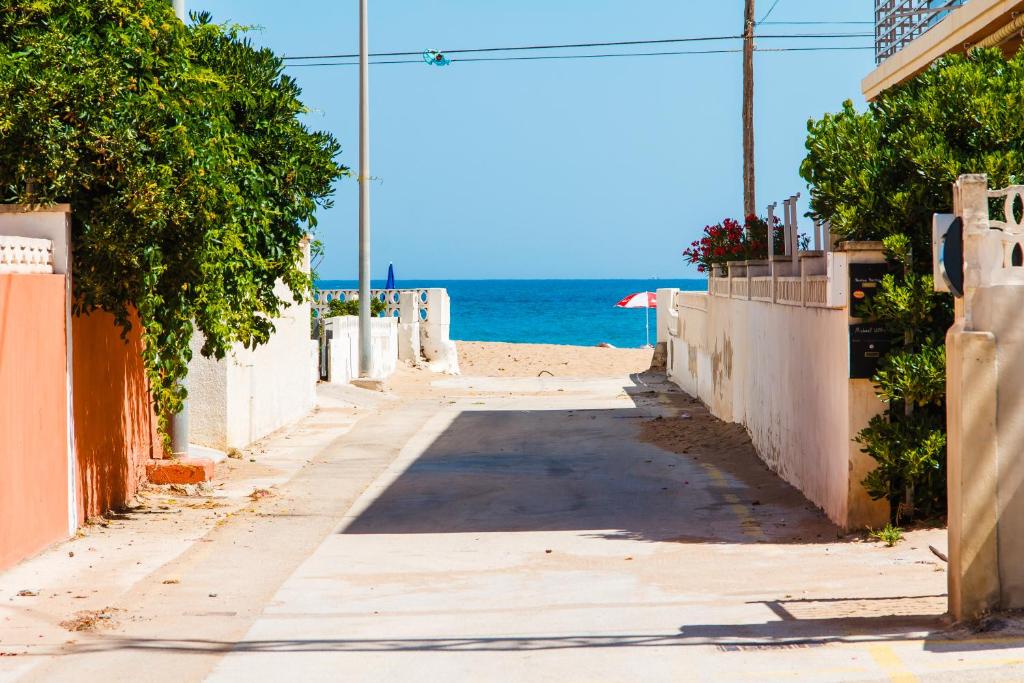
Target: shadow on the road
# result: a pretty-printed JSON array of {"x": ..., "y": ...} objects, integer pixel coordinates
[
  {"x": 587, "y": 470},
  {"x": 768, "y": 636}
]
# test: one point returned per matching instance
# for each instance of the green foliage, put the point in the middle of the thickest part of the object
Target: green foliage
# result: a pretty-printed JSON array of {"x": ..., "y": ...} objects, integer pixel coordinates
[
  {"x": 910, "y": 452},
  {"x": 889, "y": 535},
  {"x": 914, "y": 378},
  {"x": 880, "y": 175},
  {"x": 191, "y": 178},
  {"x": 908, "y": 442},
  {"x": 887, "y": 170},
  {"x": 337, "y": 307}
]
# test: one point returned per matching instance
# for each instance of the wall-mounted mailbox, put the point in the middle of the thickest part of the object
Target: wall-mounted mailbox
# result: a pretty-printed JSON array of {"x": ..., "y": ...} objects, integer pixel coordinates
[
  {"x": 865, "y": 280},
  {"x": 869, "y": 343}
]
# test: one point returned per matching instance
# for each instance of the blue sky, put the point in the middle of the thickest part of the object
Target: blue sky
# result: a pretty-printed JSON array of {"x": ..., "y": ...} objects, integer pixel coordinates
[{"x": 578, "y": 168}]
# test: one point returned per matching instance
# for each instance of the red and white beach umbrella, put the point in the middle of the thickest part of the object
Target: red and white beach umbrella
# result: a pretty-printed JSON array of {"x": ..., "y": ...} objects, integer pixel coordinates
[
  {"x": 639, "y": 300},
  {"x": 644, "y": 300}
]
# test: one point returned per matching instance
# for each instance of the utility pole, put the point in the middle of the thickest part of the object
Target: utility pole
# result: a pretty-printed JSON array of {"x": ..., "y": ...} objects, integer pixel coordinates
[
  {"x": 749, "y": 178},
  {"x": 365, "y": 352},
  {"x": 179, "y": 8}
]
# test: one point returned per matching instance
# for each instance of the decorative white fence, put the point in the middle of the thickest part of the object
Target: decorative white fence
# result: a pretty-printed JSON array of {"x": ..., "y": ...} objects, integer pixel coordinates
[
  {"x": 25, "y": 255},
  {"x": 811, "y": 290},
  {"x": 423, "y": 318},
  {"x": 390, "y": 297}
]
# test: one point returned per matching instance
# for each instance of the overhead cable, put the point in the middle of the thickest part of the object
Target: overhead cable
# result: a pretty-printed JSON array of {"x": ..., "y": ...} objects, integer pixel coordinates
[
  {"x": 618, "y": 43},
  {"x": 598, "y": 56}
]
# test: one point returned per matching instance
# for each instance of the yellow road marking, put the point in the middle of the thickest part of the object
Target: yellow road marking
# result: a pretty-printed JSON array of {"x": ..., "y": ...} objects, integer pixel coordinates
[
  {"x": 748, "y": 523},
  {"x": 890, "y": 663}
]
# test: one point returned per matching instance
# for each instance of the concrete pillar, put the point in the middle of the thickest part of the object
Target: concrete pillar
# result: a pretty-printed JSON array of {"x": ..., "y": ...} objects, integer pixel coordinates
[
  {"x": 985, "y": 410},
  {"x": 666, "y": 302},
  {"x": 409, "y": 327},
  {"x": 435, "y": 331}
]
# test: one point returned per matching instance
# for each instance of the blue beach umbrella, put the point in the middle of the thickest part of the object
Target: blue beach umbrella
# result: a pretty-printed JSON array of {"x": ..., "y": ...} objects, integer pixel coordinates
[{"x": 391, "y": 277}]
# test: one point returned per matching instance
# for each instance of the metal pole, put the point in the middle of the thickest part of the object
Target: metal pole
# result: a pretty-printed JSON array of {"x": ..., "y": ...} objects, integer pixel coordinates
[
  {"x": 365, "y": 353},
  {"x": 647, "y": 324},
  {"x": 179, "y": 426}
]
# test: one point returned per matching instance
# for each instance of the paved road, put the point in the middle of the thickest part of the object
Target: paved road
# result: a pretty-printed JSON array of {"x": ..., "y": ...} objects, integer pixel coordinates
[{"x": 518, "y": 530}]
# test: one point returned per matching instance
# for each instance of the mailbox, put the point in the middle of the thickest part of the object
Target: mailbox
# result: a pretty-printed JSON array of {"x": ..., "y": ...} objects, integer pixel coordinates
[
  {"x": 865, "y": 279},
  {"x": 869, "y": 343}
]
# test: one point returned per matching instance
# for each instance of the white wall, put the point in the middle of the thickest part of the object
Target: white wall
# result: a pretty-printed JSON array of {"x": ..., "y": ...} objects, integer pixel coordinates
[
  {"x": 783, "y": 372},
  {"x": 253, "y": 392},
  {"x": 344, "y": 347}
]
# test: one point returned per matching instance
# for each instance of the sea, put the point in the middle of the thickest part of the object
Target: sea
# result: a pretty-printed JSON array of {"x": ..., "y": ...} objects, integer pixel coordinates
[{"x": 573, "y": 312}]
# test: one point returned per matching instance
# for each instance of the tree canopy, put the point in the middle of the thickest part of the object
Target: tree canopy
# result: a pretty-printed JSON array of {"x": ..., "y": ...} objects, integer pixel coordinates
[
  {"x": 181, "y": 150},
  {"x": 887, "y": 170}
]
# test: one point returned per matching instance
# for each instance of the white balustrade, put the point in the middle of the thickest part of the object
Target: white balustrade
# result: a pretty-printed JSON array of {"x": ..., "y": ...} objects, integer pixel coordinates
[
  {"x": 25, "y": 255},
  {"x": 392, "y": 299}
]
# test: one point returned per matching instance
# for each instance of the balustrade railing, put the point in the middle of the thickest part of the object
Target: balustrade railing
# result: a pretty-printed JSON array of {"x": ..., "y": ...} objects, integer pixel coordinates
[
  {"x": 390, "y": 297},
  {"x": 25, "y": 255}
]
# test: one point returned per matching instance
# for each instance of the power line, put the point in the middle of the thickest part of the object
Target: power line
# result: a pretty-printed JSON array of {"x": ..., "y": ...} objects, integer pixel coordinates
[
  {"x": 600, "y": 56},
  {"x": 770, "y": 10},
  {"x": 619, "y": 43},
  {"x": 817, "y": 23}
]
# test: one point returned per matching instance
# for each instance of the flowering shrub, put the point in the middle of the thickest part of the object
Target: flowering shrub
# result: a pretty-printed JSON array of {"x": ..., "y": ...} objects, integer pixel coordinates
[{"x": 729, "y": 241}]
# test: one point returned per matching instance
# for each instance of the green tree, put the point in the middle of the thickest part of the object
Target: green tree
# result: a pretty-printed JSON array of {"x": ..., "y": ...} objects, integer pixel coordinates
[
  {"x": 181, "y": 150},
  {"x": 887, "y": 170},
  {"x": 881, "y": 174}
]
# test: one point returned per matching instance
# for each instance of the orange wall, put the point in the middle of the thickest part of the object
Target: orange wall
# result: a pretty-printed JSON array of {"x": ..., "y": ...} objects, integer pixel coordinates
[
  {"x": 114, "y": 424},
  {"x": 33, "y": 415}
]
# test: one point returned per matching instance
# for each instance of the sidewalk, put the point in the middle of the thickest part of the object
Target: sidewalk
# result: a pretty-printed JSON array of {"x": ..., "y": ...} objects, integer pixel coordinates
[{"x": 53, "y": 604}]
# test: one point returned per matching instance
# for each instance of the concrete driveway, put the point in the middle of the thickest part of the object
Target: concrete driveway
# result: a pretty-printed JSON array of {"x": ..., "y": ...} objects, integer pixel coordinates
[
  {"x": 525, "y": 533},
  {"x": 504, "y": 529}
]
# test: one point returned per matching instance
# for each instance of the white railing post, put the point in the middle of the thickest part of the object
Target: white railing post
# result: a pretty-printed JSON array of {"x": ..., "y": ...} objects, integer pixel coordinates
[
  {"x": 409, "y": 326},
  {"x": 435, "y": 331}
]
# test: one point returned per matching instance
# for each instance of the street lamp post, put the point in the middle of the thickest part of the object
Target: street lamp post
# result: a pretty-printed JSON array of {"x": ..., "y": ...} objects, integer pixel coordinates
[
  {"x": 365, "y": 354},
  {"x": 179, "y": 8}
]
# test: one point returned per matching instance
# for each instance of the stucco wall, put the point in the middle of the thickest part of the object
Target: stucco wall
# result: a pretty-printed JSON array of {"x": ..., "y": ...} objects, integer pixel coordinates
[
  {"x": 114, "y": 423},
  {"x": 253, "y": 392},
  {"x": 344, "y": 344},
  {"x": 783, "y": 372},
  {"x": 33, "y": 415}
]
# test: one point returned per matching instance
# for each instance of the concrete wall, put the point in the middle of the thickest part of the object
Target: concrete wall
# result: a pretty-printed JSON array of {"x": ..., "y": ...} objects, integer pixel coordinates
[
  {"x": 783, "y": 371},
  {"x": 343, "y": 333},
  {"x": 985, "y": 406},
  {"x": 76, "y": 427},
  {"x": 34, "y": 485},
  {"x": 253, "y": 392},
  {"x": 424, "y": 326},
  {"x": 115, "y": 428}
]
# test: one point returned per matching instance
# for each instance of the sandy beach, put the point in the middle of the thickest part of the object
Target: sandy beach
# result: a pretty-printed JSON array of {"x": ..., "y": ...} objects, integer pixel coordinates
[{"x": 495, "y": 359}]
